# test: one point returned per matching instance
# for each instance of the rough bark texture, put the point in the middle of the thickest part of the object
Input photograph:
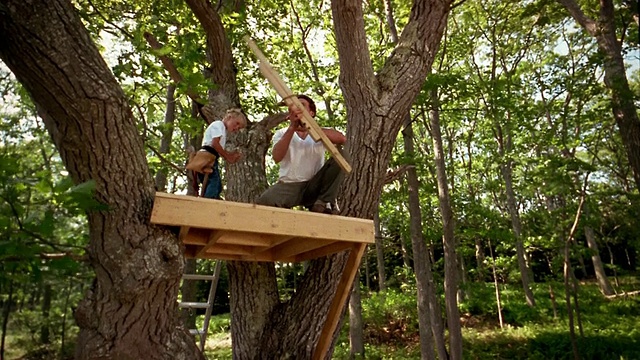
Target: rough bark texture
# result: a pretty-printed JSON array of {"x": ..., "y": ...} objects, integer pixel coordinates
[
  {"x": 262, "y": 326},
  {"x": 451, "y": 268},
  {"x": 130, "y": 311},
  {"x": 615, "y": 77},
  {"x": 377, "y": 103}
]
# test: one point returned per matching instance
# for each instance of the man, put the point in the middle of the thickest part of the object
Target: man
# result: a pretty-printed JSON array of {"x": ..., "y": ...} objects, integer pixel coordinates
[{"x": 305, "y": 179}]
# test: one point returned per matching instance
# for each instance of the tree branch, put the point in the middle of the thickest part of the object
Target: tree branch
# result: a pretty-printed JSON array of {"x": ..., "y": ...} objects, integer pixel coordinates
[{"x": 576, "y": 12}]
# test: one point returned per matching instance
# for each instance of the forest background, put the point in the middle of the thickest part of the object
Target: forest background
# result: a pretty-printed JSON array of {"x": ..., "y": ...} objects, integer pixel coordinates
[{"x": 516, "y": 114}]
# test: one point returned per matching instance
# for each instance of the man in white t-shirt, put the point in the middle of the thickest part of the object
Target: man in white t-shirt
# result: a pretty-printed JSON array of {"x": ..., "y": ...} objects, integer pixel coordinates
[{"x": 305, "y": 179}]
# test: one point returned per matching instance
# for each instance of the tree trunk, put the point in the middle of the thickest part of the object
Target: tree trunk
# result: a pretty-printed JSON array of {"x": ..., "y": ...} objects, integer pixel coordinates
[
  {"x": 6, "y": 311},
  {"x": 356, "y": 336},
  {"x": 65, "y": 308},
  {"x": 130, "y": 312},
  {"x": 376, "y": 106},
  {"x": 167, "y": 134},
  {"x": 451, "y": 269},
  {"x": 480, "y": 259},
  {"x": 189, "y": 290},
  {"x": 615, "y": 77},
  {"x": 496, "y": 286},
  {"x": 598, "y": 267},
  {"x": 46, "y": 309},
  {"x": 421, "y": 263},
  {"x": 517, "y": 232},
  {"x": 382, "y": 279}
]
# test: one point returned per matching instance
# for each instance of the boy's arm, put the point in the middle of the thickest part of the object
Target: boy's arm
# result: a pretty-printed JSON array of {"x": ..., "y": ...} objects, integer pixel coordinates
[{"x": 228, "y": 156}]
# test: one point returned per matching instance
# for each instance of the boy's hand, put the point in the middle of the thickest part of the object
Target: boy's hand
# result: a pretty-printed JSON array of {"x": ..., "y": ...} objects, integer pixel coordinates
[{"x": 233, "y": 157}]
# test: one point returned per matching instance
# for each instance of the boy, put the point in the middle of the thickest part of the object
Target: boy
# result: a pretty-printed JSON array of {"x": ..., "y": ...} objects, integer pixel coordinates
[{"x": 215, "y": 138}]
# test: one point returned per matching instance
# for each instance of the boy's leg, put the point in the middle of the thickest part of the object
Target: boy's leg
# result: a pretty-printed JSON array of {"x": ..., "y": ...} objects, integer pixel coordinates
[
  {"x": 285, "y": 195},
  {"x": 214, "y": 184},
  {"x": 324, "y": 186}
]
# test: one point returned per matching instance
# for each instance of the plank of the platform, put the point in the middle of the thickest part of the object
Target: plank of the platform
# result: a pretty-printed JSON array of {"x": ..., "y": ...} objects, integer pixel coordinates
[
  {"x": 322, "y": 251},
  {"x": 180, "y": 210}
]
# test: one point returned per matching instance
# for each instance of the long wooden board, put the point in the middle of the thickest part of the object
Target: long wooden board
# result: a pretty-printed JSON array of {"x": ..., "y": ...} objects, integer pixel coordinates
[{"x": 290, "y": 99}]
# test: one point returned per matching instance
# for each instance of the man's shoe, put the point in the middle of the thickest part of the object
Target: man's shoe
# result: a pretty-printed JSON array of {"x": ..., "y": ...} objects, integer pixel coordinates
[{"x": 318, "y": 208}]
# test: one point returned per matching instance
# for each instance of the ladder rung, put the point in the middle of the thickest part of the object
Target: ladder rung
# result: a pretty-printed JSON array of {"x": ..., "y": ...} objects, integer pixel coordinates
[
  {"x": 194, "y": 305},
  {"x": 197, "y": 277},
  {"x": 196, "y": 331}
]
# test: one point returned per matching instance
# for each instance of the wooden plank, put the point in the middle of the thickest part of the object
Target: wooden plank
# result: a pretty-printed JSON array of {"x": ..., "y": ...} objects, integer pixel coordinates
[
  {"x": 230, "y": 249},
  {"x": 323, "y": 251},
  {"x": 262, "y": 257},
  {"x": 181, "y": 210},
  {"x": 342, "y": 294},
  {"x": 190, "y": 252},
  {"x": 301, "y": 245},
  {"x": 213, "y": 237},
  {"x": 193, "y": 236},
  {"x": 184, "y": 231},
  {"x": 290, "y": 99},
  {"x": 246, "y": 238}
]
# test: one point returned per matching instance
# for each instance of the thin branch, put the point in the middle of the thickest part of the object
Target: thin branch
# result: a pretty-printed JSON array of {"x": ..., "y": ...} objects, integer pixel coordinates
[
  {"x": 165, "y": 160},
  {"x": 582, "y": 19},
  {"x": 174, "y": 74},
  {"x": 125, "y": 32}
]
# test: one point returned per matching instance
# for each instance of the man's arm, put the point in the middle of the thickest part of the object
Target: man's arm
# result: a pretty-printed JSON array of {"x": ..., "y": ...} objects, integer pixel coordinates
[
  {"x": 282, "y": 146},
  {"x": 335, "y": 136}
]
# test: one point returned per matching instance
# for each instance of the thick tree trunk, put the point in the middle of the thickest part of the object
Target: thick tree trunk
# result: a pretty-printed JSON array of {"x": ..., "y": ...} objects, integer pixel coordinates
[
  {"x": 261, "y": 324},
  {"x": 615, "y": 77},
  {"x": 130, "y": 312},
  {"x": 451, "y": 269},
  {"x": 188, "y": 291}
]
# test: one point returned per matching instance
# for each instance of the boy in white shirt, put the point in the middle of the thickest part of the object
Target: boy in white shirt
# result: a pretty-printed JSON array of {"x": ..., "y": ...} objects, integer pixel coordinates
[
  {"x": 305, "y": 179},
  {"x": 214, "y": 141}
]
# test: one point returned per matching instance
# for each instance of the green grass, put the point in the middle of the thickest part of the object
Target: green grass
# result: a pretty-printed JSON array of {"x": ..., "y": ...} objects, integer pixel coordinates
[{"x": 611, "y": 327}]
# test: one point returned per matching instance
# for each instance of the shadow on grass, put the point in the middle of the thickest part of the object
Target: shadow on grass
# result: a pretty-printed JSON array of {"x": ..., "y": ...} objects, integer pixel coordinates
[{"x": 554, "y": 345}]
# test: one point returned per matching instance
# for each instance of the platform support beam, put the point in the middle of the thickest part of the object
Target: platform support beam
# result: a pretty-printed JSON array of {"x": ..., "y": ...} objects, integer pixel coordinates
[{"x": 339, "y": 300}]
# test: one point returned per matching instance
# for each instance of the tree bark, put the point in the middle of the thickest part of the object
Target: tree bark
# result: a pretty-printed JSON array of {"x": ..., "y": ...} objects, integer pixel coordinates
[
  {"x": 188, "y": 291},
  {"x": 451, "y": 269},
  {"x": 130, "y": 312},
  {"x": 615, "y": 77}
]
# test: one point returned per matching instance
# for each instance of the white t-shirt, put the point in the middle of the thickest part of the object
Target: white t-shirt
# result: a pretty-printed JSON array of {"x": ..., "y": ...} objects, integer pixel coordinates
[
  {"x": 303, "y": 158},
  {"x": 214, "y": 130}
]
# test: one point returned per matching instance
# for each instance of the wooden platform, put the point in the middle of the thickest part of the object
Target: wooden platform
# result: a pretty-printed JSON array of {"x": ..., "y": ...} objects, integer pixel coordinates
[{"x": 216, "y": 229}]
